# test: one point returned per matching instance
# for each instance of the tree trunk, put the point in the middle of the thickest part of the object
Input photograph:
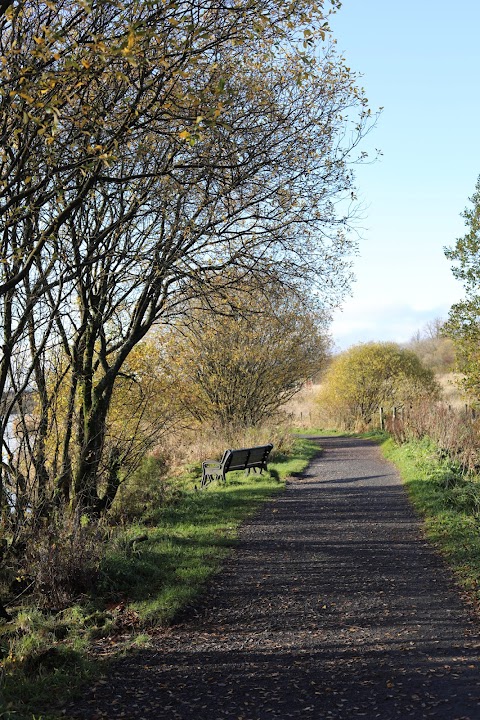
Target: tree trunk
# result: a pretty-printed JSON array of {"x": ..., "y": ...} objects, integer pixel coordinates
[
  {"x": 86, "y": 494},
  {"x": 90, "y": 455}
]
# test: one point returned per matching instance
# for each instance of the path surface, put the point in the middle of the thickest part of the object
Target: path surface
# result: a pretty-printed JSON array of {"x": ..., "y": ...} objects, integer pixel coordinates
[{"x": 333, "y": 607}]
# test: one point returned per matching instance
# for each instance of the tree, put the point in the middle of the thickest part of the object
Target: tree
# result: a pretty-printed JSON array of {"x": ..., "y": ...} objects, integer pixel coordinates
[
  {"x": 371, "y": 375},
  {"x": 463, "y": 325},
  {"x": 236, "y": 369},
  {"x": 434, "y": 349},
  {"x": 142, "y": 410},
  {"x": 146, "y": 151}
]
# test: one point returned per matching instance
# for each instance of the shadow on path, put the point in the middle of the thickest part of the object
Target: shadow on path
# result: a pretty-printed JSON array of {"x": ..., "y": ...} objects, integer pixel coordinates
[{"x": 332, "y": 607}]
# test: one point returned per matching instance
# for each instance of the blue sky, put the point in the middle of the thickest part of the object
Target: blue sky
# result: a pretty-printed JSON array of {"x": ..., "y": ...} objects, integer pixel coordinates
[{"x": 420, "y": 61}]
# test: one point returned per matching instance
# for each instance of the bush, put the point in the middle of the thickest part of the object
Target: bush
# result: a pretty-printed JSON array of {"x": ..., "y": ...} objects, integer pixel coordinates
[
  {"x": 373, "y": 375},
  {"x": 146, "y": 486},
  {"x": 455, "y": 432},
  {"x": 63, "y": 561}
]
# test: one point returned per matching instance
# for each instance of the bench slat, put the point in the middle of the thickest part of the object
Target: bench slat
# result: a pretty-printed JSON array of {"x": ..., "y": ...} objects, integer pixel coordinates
[{"x": 238, "y": 459}]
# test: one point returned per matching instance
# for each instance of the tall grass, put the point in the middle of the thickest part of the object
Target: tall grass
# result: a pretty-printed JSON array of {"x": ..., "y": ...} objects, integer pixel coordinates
[
  {"x": 456, "y": 432},
  {"x": 175, "y": 465}
]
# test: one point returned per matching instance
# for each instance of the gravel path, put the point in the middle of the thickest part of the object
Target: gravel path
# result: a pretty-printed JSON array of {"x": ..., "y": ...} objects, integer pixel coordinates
[{"x": 333, "y": 607}]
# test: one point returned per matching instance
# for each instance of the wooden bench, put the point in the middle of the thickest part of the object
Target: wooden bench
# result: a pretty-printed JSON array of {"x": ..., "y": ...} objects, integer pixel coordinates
[{"x": 243, "y": 459}]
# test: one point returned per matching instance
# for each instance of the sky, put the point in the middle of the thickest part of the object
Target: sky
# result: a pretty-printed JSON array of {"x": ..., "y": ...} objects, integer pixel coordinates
[{"x": 420, "y": 61}]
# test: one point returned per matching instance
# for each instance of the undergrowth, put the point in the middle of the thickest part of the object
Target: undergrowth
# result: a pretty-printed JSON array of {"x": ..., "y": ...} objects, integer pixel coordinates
[{"x": 152, "y": 566}]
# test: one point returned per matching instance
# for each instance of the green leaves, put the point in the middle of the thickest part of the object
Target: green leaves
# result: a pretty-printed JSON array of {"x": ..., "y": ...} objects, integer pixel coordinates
[
  {"x": 463, "y": 325},
  {"x": 371, "y": 375}
]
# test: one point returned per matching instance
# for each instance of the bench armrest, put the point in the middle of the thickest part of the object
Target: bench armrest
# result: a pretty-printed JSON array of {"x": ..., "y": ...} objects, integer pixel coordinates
[
  {"x": 211, "y": 463},
  {"x": 212, "y": 469}
]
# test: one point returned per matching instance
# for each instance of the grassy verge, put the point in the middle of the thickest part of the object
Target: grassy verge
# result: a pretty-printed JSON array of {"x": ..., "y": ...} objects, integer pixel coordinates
[
  {"x": 449, "y": 502},
  {"x": 315, "y": 431},
  {"x": 376, "y": 435},
  {"x": 151, "y": 571}
]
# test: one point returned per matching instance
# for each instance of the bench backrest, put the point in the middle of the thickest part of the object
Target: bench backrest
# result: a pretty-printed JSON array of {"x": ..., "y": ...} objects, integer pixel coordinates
[{"x": 246, "y": 457}]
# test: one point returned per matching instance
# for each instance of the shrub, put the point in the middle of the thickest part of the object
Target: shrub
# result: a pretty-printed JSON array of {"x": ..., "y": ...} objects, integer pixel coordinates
[
  {"x": 455, "y": 432},
  {"x": 147, "y": 485},
  {"x": 63, "y": 561},
  {"x": 369, "y": 376}
]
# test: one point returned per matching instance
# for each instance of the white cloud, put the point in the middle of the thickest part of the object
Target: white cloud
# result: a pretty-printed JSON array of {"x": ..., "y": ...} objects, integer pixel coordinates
[{"x": 366, "y": 321}]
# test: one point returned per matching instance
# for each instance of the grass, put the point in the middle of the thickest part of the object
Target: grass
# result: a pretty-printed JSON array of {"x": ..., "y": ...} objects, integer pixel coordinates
[
  {"x": 318, "y": 431},
  {"x": 142, "y": 584},
  {"x": 448, "y": 501},
  {"x": 188, "y": 540},
  {"x": 376, "y": 435},
  {"x": 148, "y": 582}
]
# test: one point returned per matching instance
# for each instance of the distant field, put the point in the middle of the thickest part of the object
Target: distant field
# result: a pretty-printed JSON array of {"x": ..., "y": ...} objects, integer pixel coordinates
[
  {"x": 303, "y": 407},
  {"x": 452, "y": 394},
  {"x": 305, "y": 412}
]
